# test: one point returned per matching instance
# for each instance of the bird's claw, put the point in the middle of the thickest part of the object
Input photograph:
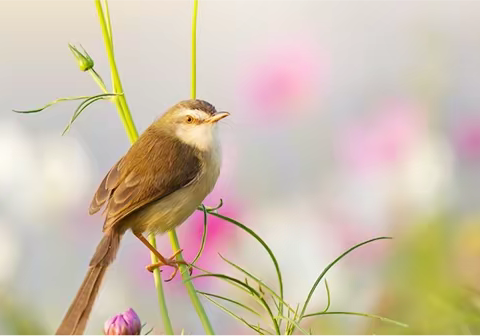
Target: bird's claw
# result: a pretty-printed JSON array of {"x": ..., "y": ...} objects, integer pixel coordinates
[{"x": 172, "y": 262}]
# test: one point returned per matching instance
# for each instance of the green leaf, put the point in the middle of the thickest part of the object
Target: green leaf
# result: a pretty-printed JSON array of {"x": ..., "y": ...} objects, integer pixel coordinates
[
  {"x": 259, "y": 281},
  {"x": 231, "y": 301},
  {"x": 293, "y": 323},
  {"x": 291, "y": 326},
  {"x": 84, "y": 105},
  {"x": 241, "y": 319},
  {"x": 320, "y": 277},
  {"x": 267, "y": 248},
  {"x": 226, "y": 280},
  {"x": 381, "y": 318},
  {"x": 52, "y": 103},
  {"x": 248, "y": 287}
]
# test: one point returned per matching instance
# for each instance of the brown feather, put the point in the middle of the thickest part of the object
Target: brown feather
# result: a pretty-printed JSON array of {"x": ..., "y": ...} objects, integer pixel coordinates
[
  {"x": 105, "y": 188},
  {"x": 154, "y": 167},
  {"x": 77, "y": 315}
]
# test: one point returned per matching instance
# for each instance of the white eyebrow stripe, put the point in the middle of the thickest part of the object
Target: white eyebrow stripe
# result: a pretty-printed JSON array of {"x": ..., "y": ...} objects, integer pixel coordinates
[{"x": 198, "y": 114}]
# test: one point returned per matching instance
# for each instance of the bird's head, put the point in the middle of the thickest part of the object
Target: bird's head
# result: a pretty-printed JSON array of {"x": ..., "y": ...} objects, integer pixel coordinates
[{"x": 193, "y": 122}]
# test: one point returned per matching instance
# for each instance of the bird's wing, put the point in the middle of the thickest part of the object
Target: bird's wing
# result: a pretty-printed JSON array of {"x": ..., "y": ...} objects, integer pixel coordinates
[{"x": 154, "y": 167}]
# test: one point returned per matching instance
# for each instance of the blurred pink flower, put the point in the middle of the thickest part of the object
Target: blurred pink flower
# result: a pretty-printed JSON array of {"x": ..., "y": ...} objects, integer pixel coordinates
[
  {"x": 384, "y": 139},
  {"x": 467, "y": 138},
  {"x": 283, "y": 76}
]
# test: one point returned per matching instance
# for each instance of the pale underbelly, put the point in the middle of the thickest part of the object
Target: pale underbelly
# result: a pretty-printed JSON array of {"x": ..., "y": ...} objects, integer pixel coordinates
[{"x": 172, "y": 210}]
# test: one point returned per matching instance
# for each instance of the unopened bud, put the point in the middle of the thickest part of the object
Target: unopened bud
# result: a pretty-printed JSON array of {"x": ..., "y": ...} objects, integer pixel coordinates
[
  {"x": 84, "y": 61},
  {"x": 127, "y": 323}
]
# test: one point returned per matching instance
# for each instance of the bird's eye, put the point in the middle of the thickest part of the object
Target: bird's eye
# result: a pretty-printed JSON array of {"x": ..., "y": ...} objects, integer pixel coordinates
[{"x": 189, "y": 119}]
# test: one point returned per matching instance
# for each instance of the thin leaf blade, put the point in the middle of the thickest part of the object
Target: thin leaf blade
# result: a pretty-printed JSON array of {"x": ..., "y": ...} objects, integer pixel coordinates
[{"x": 381, "y": 318}]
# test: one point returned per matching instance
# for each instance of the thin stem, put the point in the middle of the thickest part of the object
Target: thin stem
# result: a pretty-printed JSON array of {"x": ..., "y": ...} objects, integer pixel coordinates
[
  {"x": 381, "y": 318},
  {"x": 52, "y": 103},
  {"x": 96, "y": 77},
  {"x": 132, "y": 134},
  {"x": 192, "y": 293},
  {"x": 107, "y": 20},
  {"x": 120, "y": 101},
  {"x": 109, "y": 30},
  {"x": 160, "y": 293},
  {"x": 193, "y": 91}
]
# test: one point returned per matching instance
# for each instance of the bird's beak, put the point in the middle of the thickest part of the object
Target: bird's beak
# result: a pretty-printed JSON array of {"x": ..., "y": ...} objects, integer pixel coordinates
[{"x": 217, "y": 116}]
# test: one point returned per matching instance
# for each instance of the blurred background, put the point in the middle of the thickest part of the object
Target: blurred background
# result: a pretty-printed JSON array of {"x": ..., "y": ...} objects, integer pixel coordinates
[{"x": 350, "y": 120}]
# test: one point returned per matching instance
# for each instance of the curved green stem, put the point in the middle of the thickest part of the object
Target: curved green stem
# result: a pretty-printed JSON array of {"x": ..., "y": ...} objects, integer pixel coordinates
[
  {"x": 157, "y": 278},
  {"x": 120, "y": 101}
]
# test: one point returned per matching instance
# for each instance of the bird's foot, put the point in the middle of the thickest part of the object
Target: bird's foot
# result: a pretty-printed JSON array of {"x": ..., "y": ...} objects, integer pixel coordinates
[{"x": 172, "y": 262}]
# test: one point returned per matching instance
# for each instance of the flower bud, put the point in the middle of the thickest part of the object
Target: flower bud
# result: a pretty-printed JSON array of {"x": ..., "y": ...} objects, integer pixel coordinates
[
  {"x": 85, "y": 62},
  {"x": 127, "y": 323}
]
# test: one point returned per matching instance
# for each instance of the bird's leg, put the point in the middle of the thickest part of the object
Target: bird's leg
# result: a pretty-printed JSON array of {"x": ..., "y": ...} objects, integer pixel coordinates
[{"x": 171, "y": 261}]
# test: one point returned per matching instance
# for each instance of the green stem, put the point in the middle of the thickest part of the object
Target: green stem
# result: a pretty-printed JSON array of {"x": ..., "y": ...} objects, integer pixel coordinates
[
  {"x": 192, "y": 293},
  {"x": 120, "y": 101},
  {"x": 132, "y": 133},
  {"x": 193, "y": 89},
  {"x": 96, "y": 77},
  {"x": 160, "y": 293}
]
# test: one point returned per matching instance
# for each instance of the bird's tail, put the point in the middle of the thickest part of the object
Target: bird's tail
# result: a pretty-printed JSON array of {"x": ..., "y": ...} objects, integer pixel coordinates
[{"x": 77, "y": 315}]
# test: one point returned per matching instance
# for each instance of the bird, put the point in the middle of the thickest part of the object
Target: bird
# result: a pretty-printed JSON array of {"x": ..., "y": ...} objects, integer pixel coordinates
[{"x": 161, "y": 180}]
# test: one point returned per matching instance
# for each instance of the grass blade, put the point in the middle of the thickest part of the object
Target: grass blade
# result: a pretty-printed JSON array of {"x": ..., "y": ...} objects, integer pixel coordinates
[
  {"x": 79, "y": 110},
  {"x": 289, "y": 320},
  {"x": 231, "y": 301},
  {"x": 251, "y": 289},
  {"x": 381, "y": 318},
  {"x": 259, "y": 281},
  {"x": 241, "y": 319},
  {"x": 290, "y": 326},
  {"x": 226, "y": 280},
  {"x": 260, "y": 240},
  {"x": 84, "y": 105},
  {"x": 320, "y": 277}
]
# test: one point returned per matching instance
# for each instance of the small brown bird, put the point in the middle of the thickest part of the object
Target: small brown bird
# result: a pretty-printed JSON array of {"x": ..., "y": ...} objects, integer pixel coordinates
[{"x": 156, "y": 186}]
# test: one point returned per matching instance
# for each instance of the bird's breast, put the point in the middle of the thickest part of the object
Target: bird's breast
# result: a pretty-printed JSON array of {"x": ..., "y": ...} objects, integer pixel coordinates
[{"x": 172, "y": 210}]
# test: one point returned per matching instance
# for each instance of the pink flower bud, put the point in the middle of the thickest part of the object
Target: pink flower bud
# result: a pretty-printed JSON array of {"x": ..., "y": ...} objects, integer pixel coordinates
[{"x": 127, "y": 323}]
